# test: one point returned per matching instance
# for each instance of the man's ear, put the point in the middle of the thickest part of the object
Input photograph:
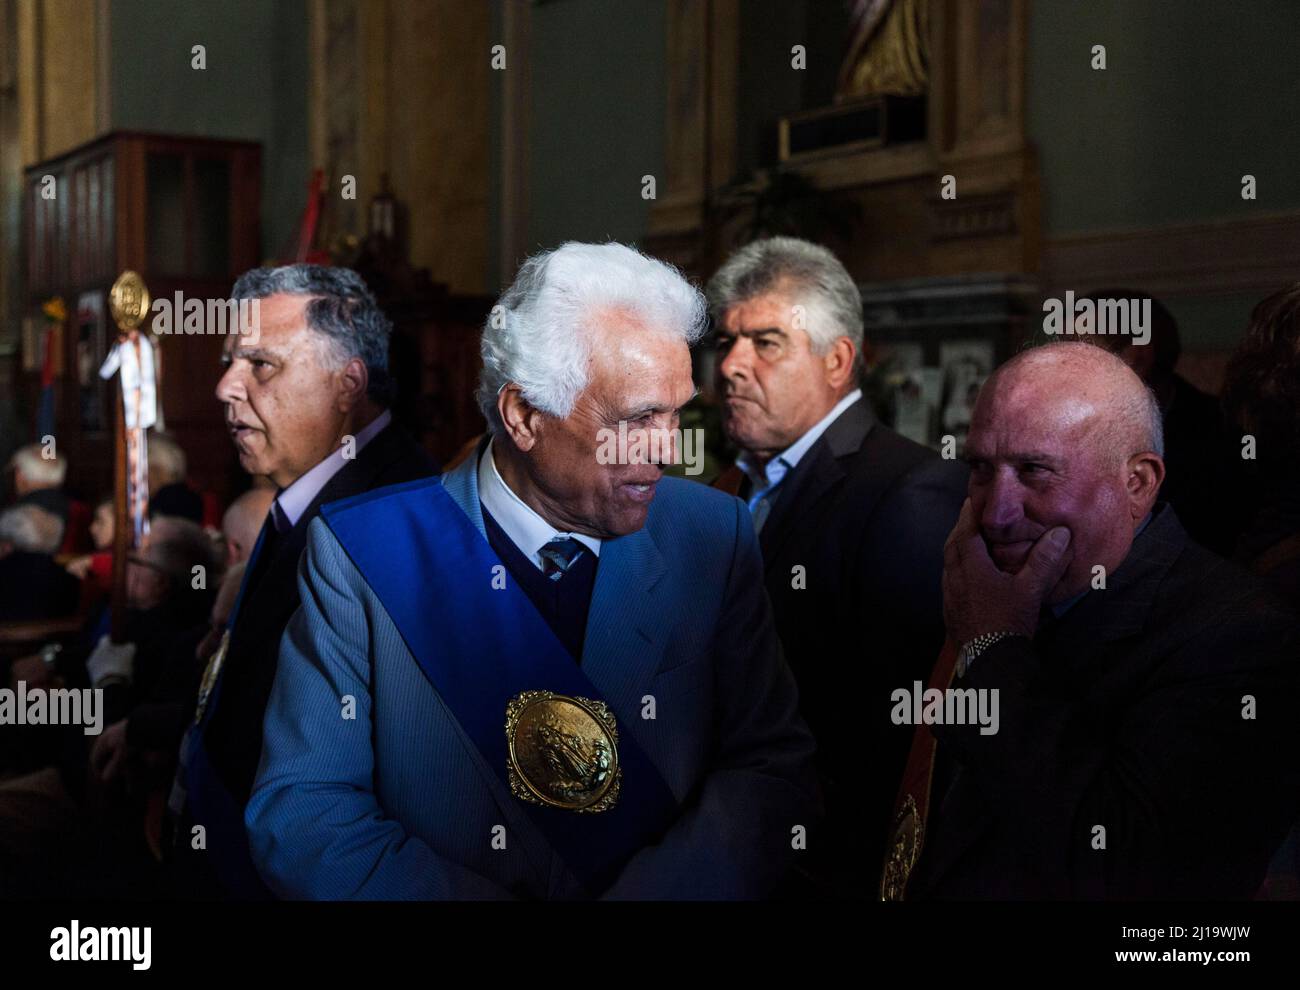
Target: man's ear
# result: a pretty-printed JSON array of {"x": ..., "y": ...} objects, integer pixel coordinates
[
  {"x": 354, "y": 379},
  {"x": 521, "y": 420},
  {"x": 1146, "y": 472},
  {"x": 839, "y": 362}
]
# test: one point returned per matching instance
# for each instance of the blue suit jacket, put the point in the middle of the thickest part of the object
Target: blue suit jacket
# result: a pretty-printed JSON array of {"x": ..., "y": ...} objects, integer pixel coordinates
[{"x": 399, "y": 803}]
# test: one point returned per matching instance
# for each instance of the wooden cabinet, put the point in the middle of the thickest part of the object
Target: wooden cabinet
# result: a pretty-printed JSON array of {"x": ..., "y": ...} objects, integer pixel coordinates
[
  {"x": 185, "y": 214},
  {"x": 434, "y": 357}
]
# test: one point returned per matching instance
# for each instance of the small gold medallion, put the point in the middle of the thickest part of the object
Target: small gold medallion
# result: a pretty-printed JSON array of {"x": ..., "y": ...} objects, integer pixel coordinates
[
  {"x": 563, "y": 751},
  {"x": 210, "y": 673},
  {"x": 904, "y": 850},
  {"x": 128, "y": 300}
]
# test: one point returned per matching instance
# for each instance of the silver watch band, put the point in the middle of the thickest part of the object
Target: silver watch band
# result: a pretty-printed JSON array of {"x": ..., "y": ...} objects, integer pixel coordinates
[{"x": 971, "y": 649}]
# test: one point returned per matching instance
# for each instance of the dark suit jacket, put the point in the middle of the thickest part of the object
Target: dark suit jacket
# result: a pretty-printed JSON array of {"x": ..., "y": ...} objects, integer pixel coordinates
[
  {"x": 866, "y": 513},
  {"x": 1203, "y": 468},
  {"x": 33, "y": 586},
  {"x": 52, "y": 500},
  {"x": 1127, "y": 713},
  {"x": 233, "y": 735}
]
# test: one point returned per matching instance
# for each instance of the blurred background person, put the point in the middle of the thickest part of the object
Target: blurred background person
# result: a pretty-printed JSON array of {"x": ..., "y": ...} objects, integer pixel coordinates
[
  {"x": 243, "y": 521},
  {"x": 167, "y": 614},
  {"x": 1262, "y": 397},
  {"x": 169, "y": 492},
  {"x": 32, "y": 585},
  {"x": 38, "y": 480},
  {"x": 95, "y": 569},
  {"x": 1198, "y": 448}
]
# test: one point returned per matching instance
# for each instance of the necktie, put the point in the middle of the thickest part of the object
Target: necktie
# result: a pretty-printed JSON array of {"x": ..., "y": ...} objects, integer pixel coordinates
[
  {"x": 913, "y": 803},
  {"x": 259, "y": 561},
  {"x": 558, "y": 556},
  {"x": 277, "y": 524}
]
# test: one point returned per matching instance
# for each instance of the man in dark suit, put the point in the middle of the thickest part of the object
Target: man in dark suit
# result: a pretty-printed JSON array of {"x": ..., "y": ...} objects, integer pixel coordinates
[
  {"x": 851, "y": 519},
  {"x": 306, "y": 395},
  {"x": 1143, "y": 688},
  {"x": 1203, "y": 464}
]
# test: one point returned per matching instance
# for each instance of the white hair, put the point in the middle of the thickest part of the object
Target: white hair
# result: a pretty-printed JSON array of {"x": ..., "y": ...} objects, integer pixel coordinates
[
  {"x": 814, "y": 278},
  {"x": 39, "y": 470},
  {"x": 166, "y": 458},
  {"x": 539, "y": 334},
  {"x": 30, "y": 528}
]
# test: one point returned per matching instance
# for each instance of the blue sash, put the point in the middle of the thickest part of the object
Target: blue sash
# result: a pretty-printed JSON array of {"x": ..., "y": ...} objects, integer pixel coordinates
[
  {"x": 210, "y": 803},
  {"x": 480, "y": 646}
]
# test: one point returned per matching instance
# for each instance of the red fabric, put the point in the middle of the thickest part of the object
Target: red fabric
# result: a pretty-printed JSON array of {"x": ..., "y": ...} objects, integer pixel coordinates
[
  {"x": 101, "y": 567},
  {"x": 730, "y": 480},
  {"x": 99, "y": 580},
  {"x": 918, "y": 775},
  {"x": 76, "y": 536},
  {"x": 211, "y": 510},
  {"x": 47, "y": 360}
]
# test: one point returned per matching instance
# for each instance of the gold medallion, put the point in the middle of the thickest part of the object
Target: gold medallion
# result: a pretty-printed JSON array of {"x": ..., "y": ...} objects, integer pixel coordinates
[
  {"x": 904, "y": 850},
  {"x": 563, "y": 751},
  {"x": 129, "y": 301},
  {"x": 210, "y": 673}
]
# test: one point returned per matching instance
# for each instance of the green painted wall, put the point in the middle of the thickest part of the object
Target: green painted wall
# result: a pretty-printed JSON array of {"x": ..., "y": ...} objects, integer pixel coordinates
[
  {"x": 1194, "y": 96},
  {"x": 596, "y": 121},
  {"x": 254, "y": 86}
]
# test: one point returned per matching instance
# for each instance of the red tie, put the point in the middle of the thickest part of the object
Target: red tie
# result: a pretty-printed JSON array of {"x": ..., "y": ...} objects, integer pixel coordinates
[{"x": 913, "y": 801}]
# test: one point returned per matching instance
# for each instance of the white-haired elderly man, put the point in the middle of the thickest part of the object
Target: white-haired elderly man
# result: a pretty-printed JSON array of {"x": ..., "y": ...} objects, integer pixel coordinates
[
  {"x": 553, "y": 674},
  {"x": 38, "y": 475},
  {"x": 852, "y": 519},
  {"x": 32, "y": 585}
]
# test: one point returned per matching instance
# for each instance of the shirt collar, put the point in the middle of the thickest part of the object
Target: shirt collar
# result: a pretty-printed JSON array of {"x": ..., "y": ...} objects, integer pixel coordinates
[
  {"x": 786, "y": 461},
  {"x": 294, "y": 500},
  {"x": 527, "y": 530},
  {"x": 1061, "y": 608}
]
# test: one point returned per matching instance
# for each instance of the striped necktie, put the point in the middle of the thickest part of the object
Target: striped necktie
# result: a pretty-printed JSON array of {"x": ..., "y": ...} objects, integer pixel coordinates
[{"x": 558, "y": 556}]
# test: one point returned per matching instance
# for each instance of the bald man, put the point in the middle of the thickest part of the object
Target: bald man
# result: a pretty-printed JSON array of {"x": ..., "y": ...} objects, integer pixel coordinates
[
  {"x": 1141, "y": 690},
  {"x": 243, "y": 521}
]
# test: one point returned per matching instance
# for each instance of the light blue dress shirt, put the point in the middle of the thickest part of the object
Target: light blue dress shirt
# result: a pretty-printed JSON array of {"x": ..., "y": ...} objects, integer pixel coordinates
[{"x": 766, "y": 479}]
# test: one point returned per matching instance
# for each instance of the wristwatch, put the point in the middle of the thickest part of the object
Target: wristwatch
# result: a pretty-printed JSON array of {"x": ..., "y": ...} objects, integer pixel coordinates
[
  {"x": 972, "y": 648},
  {"x": 50, "y": 655}
]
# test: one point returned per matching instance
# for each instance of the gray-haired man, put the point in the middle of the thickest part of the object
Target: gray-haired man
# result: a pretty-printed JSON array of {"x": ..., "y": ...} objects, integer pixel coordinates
[
  {"x": 851, "y": 516},
  {"x": 306, "y": 391}
]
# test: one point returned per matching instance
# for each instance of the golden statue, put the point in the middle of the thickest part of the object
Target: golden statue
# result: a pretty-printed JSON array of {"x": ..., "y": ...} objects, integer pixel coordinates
[{"x": 890, "y": 50}]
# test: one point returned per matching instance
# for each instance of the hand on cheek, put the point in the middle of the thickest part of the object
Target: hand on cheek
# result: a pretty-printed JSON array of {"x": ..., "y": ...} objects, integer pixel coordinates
[{"x": 979, "y": 598}]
